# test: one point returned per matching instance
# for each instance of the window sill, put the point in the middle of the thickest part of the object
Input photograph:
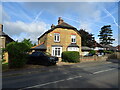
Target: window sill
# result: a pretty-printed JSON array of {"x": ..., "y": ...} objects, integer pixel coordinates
[
  {"x": 57, "y": 42},
  {"x": 73, "y": 42}
]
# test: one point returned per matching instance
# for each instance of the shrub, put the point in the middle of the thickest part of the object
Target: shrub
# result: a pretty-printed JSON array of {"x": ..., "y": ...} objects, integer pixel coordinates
[
  {"x": 71, "y": 56},
  {"x": 108, "y": 52},
  {"x": 17, "y": 54},
  {"x": 92, "y": 52},
  {"x": 3, "y": 60}
]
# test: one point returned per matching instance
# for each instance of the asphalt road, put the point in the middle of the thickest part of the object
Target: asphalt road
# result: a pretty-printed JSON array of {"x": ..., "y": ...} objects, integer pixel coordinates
[{"x": 84, "y": 75}]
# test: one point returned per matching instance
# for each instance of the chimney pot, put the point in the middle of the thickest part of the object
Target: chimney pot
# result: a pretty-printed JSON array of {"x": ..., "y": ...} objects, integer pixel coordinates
[
  {"x": 52, "y": 26},
  {"x": 1, "y": 27},
  {"x": 60, "y": 20}
]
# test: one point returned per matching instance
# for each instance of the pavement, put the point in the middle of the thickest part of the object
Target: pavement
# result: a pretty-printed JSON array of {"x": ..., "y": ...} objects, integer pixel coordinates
[{"x": 81, "y": 75}]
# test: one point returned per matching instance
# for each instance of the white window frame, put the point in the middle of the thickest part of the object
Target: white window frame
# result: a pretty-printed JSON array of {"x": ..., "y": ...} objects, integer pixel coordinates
[
  {"x": 56, "y": 51},
  {"x": 73, "y": 49},
  {"x": 56, "y": 37},
  {"x": 73, "y": 38}
]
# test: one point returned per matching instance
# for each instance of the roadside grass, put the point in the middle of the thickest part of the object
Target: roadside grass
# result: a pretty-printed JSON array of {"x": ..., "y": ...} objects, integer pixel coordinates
[{"x": 5, "y": 67}]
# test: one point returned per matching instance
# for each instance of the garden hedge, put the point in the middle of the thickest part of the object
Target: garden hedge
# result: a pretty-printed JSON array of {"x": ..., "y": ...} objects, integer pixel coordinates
[{"x": 71, "y": 56}]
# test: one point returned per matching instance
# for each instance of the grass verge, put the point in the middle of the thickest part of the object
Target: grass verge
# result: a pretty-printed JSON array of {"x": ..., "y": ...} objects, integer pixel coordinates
[{"x": 5, "y": 67}]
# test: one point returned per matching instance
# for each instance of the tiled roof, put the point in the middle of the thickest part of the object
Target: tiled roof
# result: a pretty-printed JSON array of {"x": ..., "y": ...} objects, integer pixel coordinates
[
  {"x": 73, "y": 45},
  {"x": 3, "y": 34},
  {"x": 62, "y": 25},
  {"x": 39, "y": 46},
  {"x": 56, "y": 45},
  {"x": 65, "y": 25}
]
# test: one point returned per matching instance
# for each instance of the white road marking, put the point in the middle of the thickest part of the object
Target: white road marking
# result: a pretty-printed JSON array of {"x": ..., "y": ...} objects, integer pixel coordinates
[
  {"x": 103, "y": 71},
  {"x": 50, "y": 82}
]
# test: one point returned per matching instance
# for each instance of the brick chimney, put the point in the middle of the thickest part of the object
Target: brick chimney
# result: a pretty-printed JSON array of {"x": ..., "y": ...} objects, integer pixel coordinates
[
  {"x": 60, "y": 20},
  {"x": 52, "y": 26},
  {"x": 1, "y": 27}
]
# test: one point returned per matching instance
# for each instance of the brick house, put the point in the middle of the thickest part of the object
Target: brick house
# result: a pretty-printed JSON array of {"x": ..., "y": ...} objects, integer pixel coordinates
[
  {"x": 4, "y": 38},
  {"x": 118, "y": 47},
  {"x": 62, "y": 37}
]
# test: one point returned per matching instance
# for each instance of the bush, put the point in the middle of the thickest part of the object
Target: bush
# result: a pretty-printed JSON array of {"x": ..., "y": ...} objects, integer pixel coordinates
[
  {"x": 17, "y": 54},
  {"x": 108, "y": 52},
  {"x": 93, "y": 52},
  {"x": 71, "y": 56},
  {"x": 3, "y": 60}
]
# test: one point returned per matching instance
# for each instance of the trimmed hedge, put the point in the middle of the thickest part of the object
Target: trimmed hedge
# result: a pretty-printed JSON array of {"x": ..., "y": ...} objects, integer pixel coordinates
[{"x": 71, "y": 56}]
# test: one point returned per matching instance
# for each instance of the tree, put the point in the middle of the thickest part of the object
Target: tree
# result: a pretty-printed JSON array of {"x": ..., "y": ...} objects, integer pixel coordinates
[
  {"x": 28, "y": 43},
  {"x": 106, "y": 35},
  {"x": 87, "y": 38}
]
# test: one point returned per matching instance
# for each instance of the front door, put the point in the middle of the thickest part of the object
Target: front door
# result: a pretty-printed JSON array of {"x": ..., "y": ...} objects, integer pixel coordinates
[{"x": 56, "y": 51}]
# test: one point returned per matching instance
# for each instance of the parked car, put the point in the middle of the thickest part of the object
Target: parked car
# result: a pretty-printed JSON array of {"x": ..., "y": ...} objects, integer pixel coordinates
[
  {"x": 90, "y": 55},
  {"x": 42, "y": 58}
]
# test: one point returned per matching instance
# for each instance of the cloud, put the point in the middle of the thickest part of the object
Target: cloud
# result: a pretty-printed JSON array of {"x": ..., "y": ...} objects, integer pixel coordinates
[
  {"x": 83, "y": 8},
  {"x": 0, "y": 13},
  {"x": 20, "y": 30},
  {"x": 61, "y": 1},
  {"x": 86, "y": 26},
  {"x": 86, "y": 15}
]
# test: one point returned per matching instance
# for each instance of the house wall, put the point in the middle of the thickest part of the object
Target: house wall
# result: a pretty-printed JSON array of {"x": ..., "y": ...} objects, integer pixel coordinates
[
  {"x": 43, "y": 39},
  {"x": 2, "y": 41},
  {"x": 65, "y": 39},
  {"x": 5, "y": 57}
]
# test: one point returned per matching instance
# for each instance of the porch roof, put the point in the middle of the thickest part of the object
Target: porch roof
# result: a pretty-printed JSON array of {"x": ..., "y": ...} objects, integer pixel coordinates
[
  {"x": 40, "y": 46},
  {"x": 73, "y": 45}
]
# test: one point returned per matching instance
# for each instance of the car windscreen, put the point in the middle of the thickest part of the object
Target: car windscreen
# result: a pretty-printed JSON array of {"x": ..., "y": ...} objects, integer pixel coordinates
[
  {"x": 47, "y": 54},
  {"x": 37, "y": 54}
]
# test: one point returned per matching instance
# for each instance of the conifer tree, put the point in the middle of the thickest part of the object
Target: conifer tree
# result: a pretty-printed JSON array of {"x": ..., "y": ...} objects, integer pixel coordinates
[{"x": 105, "y": 35}]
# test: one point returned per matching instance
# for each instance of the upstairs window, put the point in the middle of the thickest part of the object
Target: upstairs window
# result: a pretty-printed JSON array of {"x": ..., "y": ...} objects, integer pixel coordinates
[
  {"x": 73, "y": 38},
  {"x": 56, "y": 37}
]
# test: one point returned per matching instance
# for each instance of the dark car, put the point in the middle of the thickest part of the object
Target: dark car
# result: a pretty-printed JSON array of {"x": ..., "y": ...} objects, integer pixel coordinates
[
  {"x": 42, "y": 58},
  {"x": 90, "y": 55}
]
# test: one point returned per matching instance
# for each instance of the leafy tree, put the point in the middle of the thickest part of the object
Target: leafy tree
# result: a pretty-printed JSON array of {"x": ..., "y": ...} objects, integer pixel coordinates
[
  {"x": 17, "y": 54},
  {"x": 87, "y": 38},
  {"x": 28, "y": 42},
  {"x": 106, "y": 35},
  {"x": 34, "y": 44}
]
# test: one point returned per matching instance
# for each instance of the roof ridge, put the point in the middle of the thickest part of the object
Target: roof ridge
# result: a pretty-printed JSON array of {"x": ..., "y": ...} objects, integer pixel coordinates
[{"x": 66, "y": 24}]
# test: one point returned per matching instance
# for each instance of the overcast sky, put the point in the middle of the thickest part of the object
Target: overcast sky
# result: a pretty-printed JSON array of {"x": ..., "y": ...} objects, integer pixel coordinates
[{"x": 31, "y": 19}]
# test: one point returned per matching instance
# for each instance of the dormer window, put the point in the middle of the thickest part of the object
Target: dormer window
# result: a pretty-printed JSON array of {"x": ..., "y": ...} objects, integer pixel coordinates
[
  {"x": 56, "y": 37},
  {"x": 73, "y": 38}
]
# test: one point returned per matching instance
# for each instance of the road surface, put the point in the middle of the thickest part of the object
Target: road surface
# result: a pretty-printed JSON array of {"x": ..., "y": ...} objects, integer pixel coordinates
[{"x": 84, "y": 75}]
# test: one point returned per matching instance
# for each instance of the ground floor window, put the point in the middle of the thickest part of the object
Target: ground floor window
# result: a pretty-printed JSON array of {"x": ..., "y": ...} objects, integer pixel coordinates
[
  {"x": 56, "y": 51},
  {"x": 73, "y": 49}
]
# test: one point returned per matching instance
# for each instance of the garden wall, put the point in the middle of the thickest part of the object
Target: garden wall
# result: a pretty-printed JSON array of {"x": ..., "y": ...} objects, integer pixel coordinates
[
  {"x": 115, "y": 55},
  {"x": 93, "y": 58}
]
